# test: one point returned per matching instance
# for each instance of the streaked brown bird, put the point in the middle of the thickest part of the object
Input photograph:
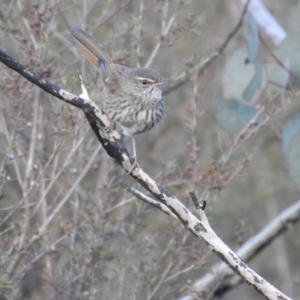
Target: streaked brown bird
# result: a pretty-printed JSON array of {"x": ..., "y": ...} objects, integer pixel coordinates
[{"x": 131, "y": 97}]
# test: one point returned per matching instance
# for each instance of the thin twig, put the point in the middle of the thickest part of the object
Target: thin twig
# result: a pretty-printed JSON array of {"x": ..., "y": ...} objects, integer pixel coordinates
[
  {"x": 204, "y": 65},
  {"x": 161, "y": 281},
  {"x": 121, "y": 7},
  {"x": 57, "y": 173},
  {"x": 71, "y": 189},
  {"x": 139, "y": 34},
  {"x": 278, "y": 61},
  {"x": 150, "y": 201},
  {"x": 28, "y": 171},
  {"x": 26, "y": 195},
  {"x": 164, "y": 31},
  {"x": 50, "y": 247}
]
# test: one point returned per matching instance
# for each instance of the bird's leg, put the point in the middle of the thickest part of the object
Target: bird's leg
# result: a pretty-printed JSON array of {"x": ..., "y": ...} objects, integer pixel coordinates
[
  {"x": 133, "y": 158},
  {"x": 133, "y": 146},
  {"x": 110, "y": 127}
]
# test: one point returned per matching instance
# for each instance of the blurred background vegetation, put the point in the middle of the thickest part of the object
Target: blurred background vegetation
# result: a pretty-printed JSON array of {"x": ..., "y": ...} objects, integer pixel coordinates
[{"x": 98, "y": 241}]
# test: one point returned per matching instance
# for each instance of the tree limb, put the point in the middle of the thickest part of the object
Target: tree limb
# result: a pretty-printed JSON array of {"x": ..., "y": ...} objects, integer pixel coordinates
[{"x": 213, "y": 281}]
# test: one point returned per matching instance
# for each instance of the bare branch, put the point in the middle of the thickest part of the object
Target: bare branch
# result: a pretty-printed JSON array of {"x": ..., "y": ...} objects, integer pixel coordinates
[
  {"x": 150, "y": 201},
  {"x": 161, "y": 281},
  {"x": 213, "y": 281}
]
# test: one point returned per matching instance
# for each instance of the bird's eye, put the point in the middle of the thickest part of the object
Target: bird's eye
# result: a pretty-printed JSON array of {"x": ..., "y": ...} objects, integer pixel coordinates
[{"x": 144, "y": 82}]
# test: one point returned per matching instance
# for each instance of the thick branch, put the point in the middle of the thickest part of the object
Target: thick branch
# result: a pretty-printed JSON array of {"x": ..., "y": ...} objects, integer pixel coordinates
[{"x": 213, "y": 281}]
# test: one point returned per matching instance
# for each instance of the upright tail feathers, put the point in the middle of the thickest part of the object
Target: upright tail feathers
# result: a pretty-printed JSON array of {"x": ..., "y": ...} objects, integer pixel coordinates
[{"x": 89, "y": 47}]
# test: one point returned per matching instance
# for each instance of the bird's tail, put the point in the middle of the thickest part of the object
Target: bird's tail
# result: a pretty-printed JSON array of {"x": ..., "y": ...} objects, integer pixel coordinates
[{"x": 89, "y": 47}]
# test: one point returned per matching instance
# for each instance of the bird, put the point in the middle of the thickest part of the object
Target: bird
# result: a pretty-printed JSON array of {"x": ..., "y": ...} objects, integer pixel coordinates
[{"x": 131, "y": 97}]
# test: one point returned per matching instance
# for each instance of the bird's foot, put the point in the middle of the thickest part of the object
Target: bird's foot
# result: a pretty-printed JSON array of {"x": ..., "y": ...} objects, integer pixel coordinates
[
  {"x": 110, "y": 127},
  {"x": 134, "y": 164}
]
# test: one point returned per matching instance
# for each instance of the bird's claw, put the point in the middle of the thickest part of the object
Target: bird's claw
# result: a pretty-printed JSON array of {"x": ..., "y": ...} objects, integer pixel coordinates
[
  {"x": 134, "y": 164},
  {"x": 110, "y": 127}
]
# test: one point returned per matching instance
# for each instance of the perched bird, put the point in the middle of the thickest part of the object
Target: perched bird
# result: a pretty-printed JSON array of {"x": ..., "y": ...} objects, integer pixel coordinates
[{"x": 131, "y": 96}]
